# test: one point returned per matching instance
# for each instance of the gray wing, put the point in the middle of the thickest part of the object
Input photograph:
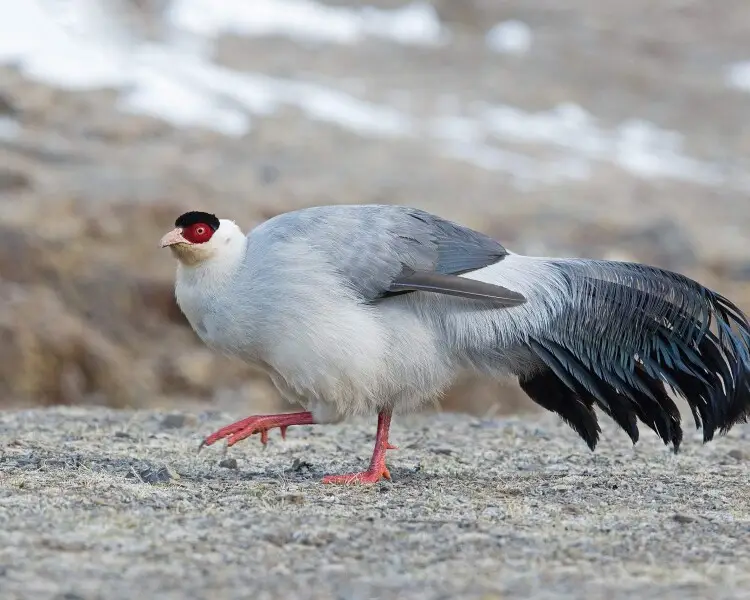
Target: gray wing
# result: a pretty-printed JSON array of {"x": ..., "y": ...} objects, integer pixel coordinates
[{"x": 383, "y": 250}]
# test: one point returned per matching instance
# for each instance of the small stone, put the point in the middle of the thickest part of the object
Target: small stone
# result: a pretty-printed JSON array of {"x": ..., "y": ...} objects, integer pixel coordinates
[
  {"x": 298, "y": 465},
  {"x": 177, "y": 420},
  {"x": 293, "y": 499},
  {"x": 6, "y": 107},
  {"x": 572, "y": 509},
  {"x": 445, "y": 451},
  {"x": 69, "y": 596},
  {"x": 683, "y": 519},
  {"x": 155, "y": 475},
  {"x": 74, "y": 462},
  {"x": 11, "y": 181},
  {"x": 269, "y": 174},
  {"x": 228, "y": 463},
  {"x": 736, "y": 454},
  {"x": 123, "y": 435}
]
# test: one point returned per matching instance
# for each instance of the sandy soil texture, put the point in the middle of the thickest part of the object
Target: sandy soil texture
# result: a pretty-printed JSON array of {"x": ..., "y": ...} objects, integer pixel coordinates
[{"x": 97, "y": 503}]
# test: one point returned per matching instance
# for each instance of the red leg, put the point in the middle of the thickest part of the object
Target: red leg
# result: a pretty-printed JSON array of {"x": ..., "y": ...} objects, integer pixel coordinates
[
  {"x": 377, "y": 463},
  {"x": 258, "y": 424}
]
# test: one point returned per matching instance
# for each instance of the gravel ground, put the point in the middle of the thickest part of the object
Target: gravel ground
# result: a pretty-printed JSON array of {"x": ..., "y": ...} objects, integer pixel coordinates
[{"x": 98, "y": 503}]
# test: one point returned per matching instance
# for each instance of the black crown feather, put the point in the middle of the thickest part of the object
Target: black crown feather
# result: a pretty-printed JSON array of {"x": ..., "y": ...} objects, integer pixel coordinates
[{"x": 194, "y": 217}]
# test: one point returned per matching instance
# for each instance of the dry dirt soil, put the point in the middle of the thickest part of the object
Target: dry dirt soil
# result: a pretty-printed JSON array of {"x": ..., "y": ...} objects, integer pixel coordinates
[{"x": 104, "y": 504}]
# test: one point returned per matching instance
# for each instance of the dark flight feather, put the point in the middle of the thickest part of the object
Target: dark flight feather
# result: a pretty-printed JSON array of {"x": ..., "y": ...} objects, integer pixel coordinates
[{"x": 457, "y": 286}]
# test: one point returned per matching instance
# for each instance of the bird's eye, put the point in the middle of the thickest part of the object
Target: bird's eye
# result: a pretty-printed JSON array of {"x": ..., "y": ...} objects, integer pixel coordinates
[{"x": 198, "y": 233}]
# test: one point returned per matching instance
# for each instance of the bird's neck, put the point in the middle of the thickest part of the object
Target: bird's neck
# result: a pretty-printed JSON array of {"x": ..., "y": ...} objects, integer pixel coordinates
[{"x": 217, "y": 270}]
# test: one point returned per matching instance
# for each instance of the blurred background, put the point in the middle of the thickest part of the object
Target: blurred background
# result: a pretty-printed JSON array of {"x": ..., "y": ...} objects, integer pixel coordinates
[{"x": 583, "y": 128}]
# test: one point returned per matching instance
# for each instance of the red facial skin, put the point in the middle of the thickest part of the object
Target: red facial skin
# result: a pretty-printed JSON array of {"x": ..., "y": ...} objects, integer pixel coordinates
[{"x": 199, "y": 233}]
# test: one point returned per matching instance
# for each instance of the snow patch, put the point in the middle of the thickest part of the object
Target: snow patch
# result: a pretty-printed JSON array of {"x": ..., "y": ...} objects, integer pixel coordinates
[
  {"x": 210, "y": 95},
  {"x": 9, "y": 128},
  {"x": 416, "y": 23},
  {"x": 176, "y": 83},
  {"x": 636, "y": 146},
  {"x": 510, "y": 37},
  {"x": 32, "y": 39},
  {"x": 738, "y": 76}
]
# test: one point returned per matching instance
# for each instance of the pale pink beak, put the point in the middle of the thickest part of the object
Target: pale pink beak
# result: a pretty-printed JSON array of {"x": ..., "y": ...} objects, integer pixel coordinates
[{"x": 173, "y": 237}]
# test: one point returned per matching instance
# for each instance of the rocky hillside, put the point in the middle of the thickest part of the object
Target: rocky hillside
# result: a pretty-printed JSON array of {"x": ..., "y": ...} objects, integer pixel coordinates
[{"x": 590, "y": 130}]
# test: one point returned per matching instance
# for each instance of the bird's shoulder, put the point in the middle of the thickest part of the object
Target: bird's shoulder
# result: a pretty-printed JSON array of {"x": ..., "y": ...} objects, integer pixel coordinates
[
  {"x": 389, "y": 228},
  {"x": 371, "y": 245}
]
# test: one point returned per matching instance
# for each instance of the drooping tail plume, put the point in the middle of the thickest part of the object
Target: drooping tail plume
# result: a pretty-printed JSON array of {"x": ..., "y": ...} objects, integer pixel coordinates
[{"x": 629, "y": 333}]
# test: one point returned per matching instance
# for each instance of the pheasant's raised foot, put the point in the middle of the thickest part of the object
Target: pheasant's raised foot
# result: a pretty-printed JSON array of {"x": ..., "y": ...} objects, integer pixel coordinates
[{"x": 261, "y": 424}]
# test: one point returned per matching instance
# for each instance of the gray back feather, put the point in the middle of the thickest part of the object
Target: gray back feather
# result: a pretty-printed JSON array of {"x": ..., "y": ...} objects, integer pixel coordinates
[{"x": 370, "y": 246}]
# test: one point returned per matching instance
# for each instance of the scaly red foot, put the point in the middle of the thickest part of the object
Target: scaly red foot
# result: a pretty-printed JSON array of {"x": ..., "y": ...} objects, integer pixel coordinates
[
  {"x": 258, "y": 424},
  {"x": 377, "y": 469},
  {"x": 369, "y": 476}
]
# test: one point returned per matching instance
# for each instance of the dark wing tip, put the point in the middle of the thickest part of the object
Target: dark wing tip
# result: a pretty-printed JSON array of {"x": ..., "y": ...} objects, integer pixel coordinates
[{"x": 458, "y": 286}]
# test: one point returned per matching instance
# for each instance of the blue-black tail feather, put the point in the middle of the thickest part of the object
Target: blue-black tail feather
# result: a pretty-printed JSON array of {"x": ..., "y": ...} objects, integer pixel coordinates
[{"x": 628, "y": 333}]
